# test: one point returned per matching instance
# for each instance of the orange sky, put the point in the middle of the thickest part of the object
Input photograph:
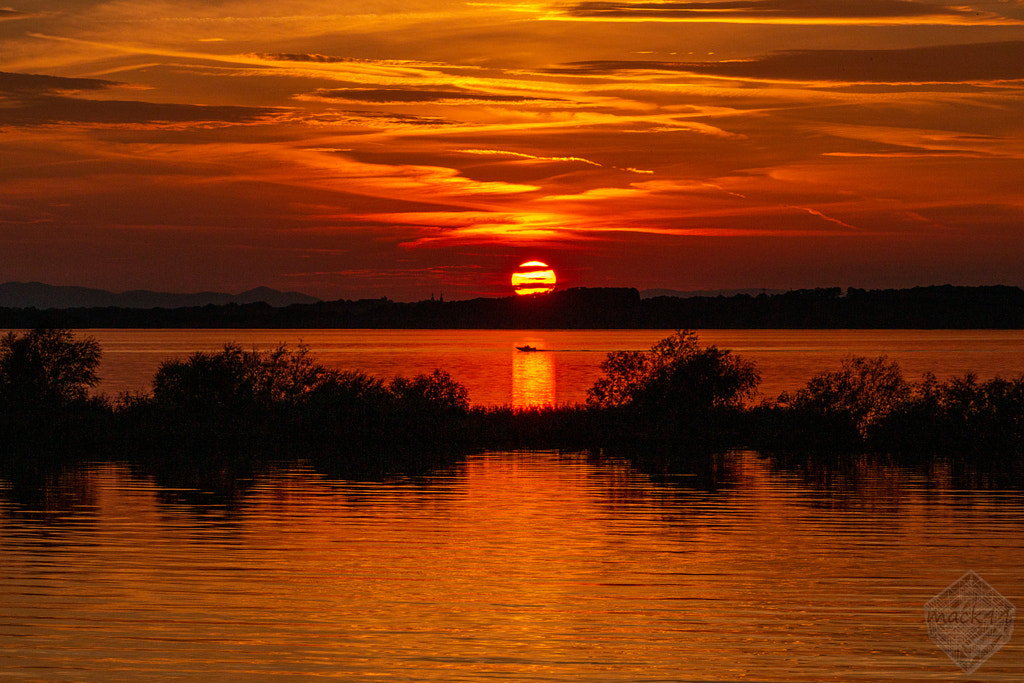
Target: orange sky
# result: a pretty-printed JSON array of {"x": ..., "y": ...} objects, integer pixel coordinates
[{"x": 407, "y": 147}]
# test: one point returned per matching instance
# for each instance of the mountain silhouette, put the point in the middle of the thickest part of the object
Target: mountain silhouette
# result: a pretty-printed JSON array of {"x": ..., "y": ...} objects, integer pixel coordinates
[{"x": 43, "y": 296}]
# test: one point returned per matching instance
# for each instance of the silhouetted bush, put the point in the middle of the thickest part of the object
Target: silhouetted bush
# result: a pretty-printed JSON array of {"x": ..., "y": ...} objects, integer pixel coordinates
[
  {"x": 962, "y": 417},
  {"x": 862, "y": 392},
  {"x": 353, "y": 415},
  {"x": 45, "y": 405},
  {"x": 676, "y": 372},
  {"x": 436, "y": 391},
  {"x": 677, "y": 393},
  {"x": 282, "y": 403},
  {"x": 232, "y": 401},
  {"x": 47, "y": 368},
  {"x": 836, "y": 409},
  {"x": 665, "y": 408},
  {"x": 868, "y": 406},
  {"x": 234, "y": 379}
]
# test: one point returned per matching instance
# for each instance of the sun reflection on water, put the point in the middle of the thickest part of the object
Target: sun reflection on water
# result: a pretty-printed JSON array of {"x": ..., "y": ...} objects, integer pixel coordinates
[{"x": 533, "y": 376}]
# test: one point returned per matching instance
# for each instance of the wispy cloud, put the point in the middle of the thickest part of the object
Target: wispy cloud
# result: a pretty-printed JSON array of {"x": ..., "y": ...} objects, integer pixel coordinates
[
  {"x": 316, "y": 58},
  {"x": 415, "y": 96},
  {"x": 784, "y": 12},
  {"x": 8, "y": 13},
  {"x": 386, "y": 121},
  {"x": 33, "y": 100},
  {"x": 407, "y": 181},
  {"x": 399, "y": 137},
  {"x": 966, "y": 63},
  {"x": 49, "y": 110},
  {"x": 22, "y": 84},
  {"x": 526, "y": 157}
]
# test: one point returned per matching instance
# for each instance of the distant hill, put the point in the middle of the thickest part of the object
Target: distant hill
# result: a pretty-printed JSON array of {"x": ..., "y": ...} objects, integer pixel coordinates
[
  {"x": 43, "y": 296},
  {"x": 691, "y": 293}
]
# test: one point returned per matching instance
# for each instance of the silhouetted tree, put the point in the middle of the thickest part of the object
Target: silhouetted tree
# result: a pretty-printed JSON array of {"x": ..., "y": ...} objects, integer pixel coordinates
[
  {"x": 677, "y": 394},
  {"x": 46, "y": 410},
  {"x": 964, "y": 417},
  {"x": 47, "y": 368},
  {"x": 860, "y": 394},
  {"x": 237, "y": 379},
  {"x": 345, "y": 412},
  {"x": 437, "y": 390},
  {"x": 678, "y": 372},
  {"x": 233, "y": 400}
]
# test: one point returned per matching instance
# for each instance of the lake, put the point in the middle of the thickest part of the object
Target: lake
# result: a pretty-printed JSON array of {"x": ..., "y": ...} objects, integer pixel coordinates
[
  {"x": 508, "y": 566},
  {"x": 495, "y": 373},
  {"x": 502, "y": 567}
]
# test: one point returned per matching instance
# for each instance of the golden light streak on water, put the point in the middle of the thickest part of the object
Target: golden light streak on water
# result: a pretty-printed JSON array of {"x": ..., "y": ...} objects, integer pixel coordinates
[{"x": 533, "y": 376}]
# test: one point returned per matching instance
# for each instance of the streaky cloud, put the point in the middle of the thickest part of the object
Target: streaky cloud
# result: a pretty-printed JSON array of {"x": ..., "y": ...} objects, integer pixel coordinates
[
  {"x": 384, "y": 120},
  {"x": 415, "y": 96},
  {"x": 526, "y": 157},
  {"x": 7, "y": 13},
  {"x": 52, "y": 110},
  {"x": 778, "y": 11},
  {"x": 39, "y": 100},
  {"x": 315, "y": 58},
  {"x": 967, "y": 63},
  {"x": 918, "y": 154},
  {"x": 26, "y": 84},
  {"x": 305, "y": 57}
]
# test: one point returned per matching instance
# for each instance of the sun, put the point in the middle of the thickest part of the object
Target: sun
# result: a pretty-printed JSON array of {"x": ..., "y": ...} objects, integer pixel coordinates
[{"x": 533, "y": 277}]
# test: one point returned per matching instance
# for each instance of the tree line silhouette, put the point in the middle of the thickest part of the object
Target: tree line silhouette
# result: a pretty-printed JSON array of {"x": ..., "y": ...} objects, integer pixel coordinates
[
  {"x": 678, "y": 403},
  {"x": 948, "y": 307}
]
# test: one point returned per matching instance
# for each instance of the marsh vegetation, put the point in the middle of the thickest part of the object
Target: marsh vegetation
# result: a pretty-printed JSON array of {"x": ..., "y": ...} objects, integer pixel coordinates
[{"x": 678, "y": 401}]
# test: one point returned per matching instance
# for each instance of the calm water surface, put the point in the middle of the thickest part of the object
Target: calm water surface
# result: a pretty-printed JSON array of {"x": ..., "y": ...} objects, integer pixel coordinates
[
  {"x": 487, "y": 363},
  {"x": 505, "y": 567}
]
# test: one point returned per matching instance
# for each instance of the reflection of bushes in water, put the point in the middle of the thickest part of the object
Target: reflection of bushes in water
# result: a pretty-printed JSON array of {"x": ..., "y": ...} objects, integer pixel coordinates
[
  {"x": 881, "y": 481},
  {"x": 845, "y": 481},
  {"x": 691, "y": 468},
  {"x": 210, "y": 485},
  {"x": 45, "y": 490}
]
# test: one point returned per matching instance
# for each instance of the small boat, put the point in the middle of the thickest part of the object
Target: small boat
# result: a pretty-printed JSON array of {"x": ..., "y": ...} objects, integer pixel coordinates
[{"x": 527, "y": 348}]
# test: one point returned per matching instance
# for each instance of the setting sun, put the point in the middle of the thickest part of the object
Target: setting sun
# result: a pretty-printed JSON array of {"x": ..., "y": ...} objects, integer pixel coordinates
[{"x": 533, "y": 277}]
